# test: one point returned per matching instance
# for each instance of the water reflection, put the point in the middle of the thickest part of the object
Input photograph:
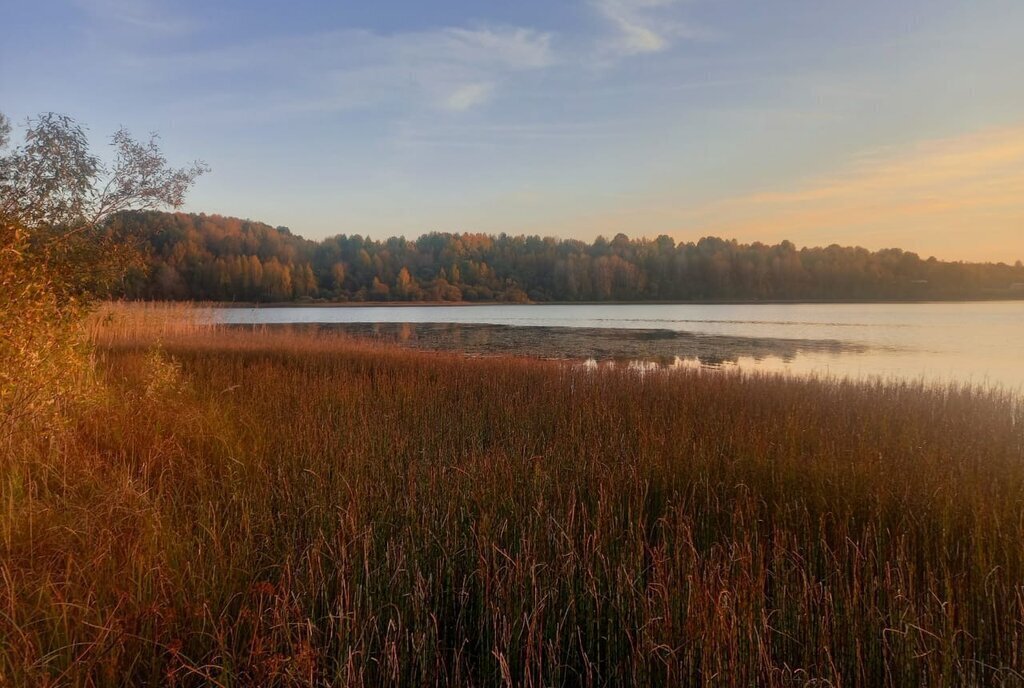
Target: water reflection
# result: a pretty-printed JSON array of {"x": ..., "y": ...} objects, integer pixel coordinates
[
  {"x": 974, "y": 343},
  {"x": 660, "y": 348}
]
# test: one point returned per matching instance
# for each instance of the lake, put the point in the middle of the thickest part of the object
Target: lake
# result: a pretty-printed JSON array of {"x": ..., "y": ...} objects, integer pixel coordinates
[{"x": 974, "y": 342}]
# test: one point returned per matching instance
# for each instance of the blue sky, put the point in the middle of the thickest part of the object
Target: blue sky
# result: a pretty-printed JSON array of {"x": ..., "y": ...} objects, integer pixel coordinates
[{"x": 870, "y": 122}]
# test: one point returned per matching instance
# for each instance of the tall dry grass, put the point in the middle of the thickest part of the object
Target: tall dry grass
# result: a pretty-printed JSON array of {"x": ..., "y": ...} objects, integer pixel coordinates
[
  {"x": 122, "y": 323},
  {"x": 280, "y": 508}
]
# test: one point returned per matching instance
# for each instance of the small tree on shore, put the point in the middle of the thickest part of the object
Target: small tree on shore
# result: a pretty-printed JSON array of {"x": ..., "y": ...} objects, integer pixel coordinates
[
  {"x": 56, "y": 197},
  {"x": 56, "y": 251}
]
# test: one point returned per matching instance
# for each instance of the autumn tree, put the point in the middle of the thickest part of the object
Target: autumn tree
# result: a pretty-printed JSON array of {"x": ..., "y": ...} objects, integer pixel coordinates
[
  {"x": 477, "y": 267},
  {"x": 404, "y": 284},
  {"x": 57, "y": 252}
]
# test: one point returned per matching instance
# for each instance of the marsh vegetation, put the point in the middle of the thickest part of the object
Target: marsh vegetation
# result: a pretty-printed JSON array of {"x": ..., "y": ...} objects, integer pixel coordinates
[
  {"x": 300, "y": 508},
  {"x": 184, "y": 503}
]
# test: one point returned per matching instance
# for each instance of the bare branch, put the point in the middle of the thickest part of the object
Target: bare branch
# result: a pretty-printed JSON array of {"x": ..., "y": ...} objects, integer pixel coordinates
[{"x": 56, "y": 196}]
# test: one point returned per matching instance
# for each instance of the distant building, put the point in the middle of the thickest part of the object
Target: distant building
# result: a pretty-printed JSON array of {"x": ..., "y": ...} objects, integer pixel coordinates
[{"x": 1017, "y": 286}]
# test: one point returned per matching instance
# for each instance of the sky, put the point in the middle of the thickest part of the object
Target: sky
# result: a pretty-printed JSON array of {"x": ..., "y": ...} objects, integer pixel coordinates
[{"x": 872, "y": 123}]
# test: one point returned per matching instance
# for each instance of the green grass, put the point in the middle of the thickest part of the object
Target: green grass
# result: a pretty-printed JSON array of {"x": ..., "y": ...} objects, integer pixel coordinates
[{"x": 287, "y": 509}]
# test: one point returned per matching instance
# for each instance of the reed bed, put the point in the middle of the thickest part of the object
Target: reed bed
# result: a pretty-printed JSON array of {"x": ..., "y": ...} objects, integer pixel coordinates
[
  {"x": 280, "y": 508},
  {"x": 124, "y": 322}
]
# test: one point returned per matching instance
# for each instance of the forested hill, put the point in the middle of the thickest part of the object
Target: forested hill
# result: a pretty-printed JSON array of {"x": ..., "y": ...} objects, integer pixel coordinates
[{"x": 209, "y": 257}]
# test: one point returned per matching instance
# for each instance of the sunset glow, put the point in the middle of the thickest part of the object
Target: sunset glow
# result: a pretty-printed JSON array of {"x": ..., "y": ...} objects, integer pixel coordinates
[{"x": 872, "y": 123}]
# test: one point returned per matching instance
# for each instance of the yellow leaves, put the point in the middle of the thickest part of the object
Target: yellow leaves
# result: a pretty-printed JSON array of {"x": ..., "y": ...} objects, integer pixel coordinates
[{"x": 44, "y": 360}]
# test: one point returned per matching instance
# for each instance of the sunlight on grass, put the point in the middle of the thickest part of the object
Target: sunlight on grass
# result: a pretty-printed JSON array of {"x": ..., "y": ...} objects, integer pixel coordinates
[{"x": 280, "y": 508}]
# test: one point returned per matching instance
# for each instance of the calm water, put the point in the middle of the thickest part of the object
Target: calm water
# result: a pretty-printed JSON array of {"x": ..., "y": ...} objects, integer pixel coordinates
[{"x": 978, "y": 342}]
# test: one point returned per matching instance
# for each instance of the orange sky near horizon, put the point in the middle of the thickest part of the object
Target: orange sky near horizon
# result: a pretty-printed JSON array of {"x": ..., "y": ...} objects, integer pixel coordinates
[{"x": 958, "y": 198}]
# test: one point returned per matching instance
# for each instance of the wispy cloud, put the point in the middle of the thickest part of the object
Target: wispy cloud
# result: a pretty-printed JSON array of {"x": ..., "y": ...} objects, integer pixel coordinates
[
  {"x": 515, "y": 47},
  {"x": 644, "y": 26},
  {"x": 468, "y": 96},
  {"x": 449, "y": 69},
  {"x": 926, "y": 169},
  {"x": 149, "y": 16}
]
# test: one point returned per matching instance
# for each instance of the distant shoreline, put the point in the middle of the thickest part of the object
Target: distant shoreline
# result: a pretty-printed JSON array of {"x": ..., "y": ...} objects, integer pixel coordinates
[{"x": 468, "y": 304}]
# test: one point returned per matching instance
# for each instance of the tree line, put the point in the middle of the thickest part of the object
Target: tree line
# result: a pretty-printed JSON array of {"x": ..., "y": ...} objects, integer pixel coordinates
[{"x": 216, "y": 258}]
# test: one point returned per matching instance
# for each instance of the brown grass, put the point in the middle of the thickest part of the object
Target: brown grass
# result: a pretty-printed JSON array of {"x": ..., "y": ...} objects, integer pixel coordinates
[{"x": 279, "y": 508}]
